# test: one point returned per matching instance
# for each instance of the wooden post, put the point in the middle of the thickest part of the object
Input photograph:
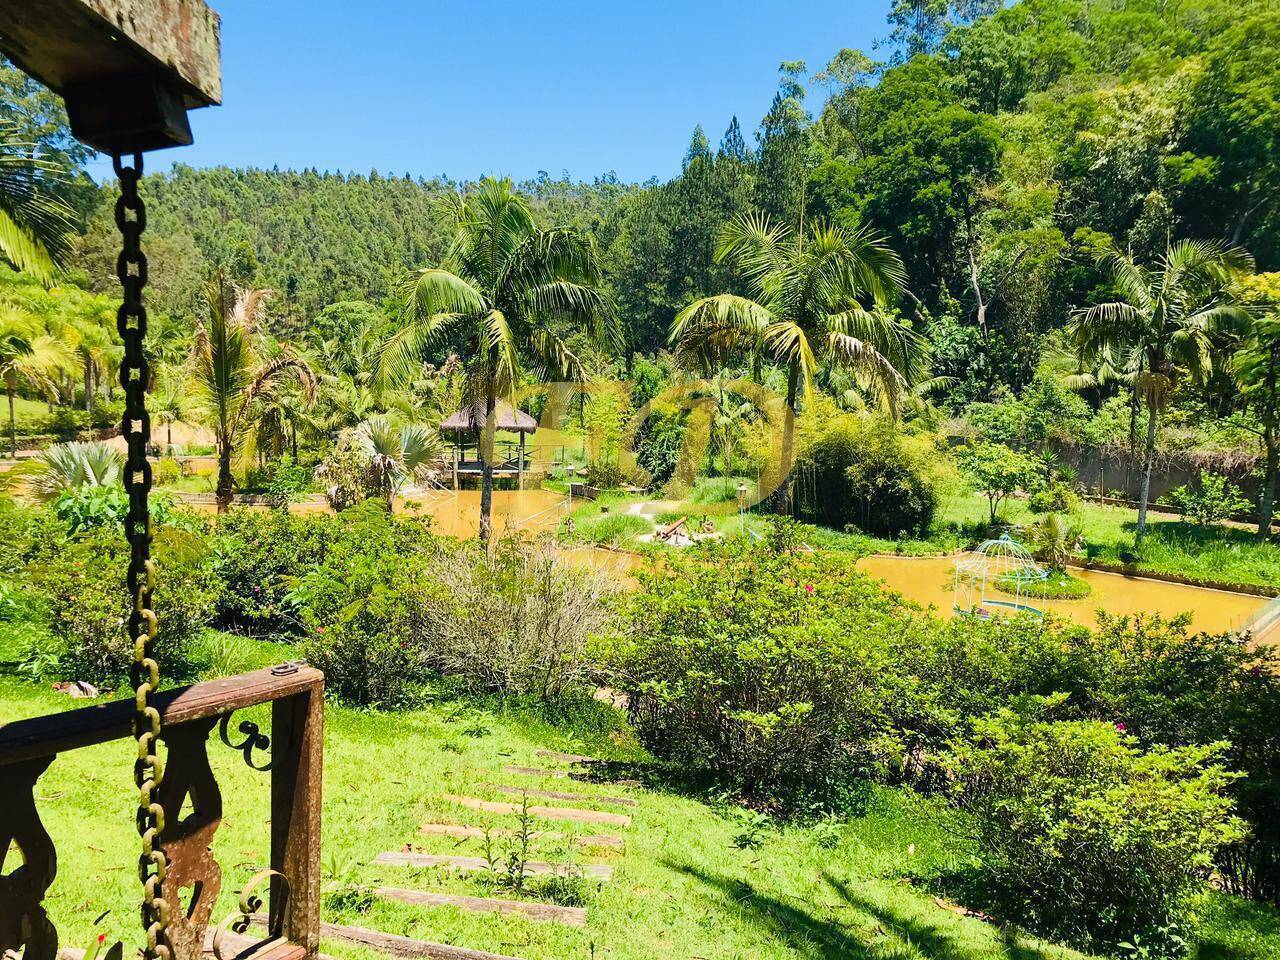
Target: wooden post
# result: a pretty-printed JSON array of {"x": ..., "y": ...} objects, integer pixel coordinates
[
  {"x": 297, "y": 749},
  {"x": 520, "y": 465}
]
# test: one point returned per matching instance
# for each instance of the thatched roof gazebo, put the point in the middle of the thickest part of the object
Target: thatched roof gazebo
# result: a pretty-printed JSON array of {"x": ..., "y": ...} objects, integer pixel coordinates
[{"x": 466, "y": 427}]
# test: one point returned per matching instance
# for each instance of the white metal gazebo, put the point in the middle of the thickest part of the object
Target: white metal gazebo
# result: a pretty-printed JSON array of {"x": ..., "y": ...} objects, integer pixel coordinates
[{"x": 1003, "y": 562}]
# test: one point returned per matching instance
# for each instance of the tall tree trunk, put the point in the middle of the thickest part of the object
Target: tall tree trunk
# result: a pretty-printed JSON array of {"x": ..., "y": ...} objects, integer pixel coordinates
[
  {"x": 88, "y": 386},
  {"x": 788, "y": 441},
  {"x": 13, "y": 423},
  {"x": 486, "y": 464},
  {"x": 222, "y": 493},
  {"x": 1148, "y": 461},
  {"x": 1267, "y": 503}
]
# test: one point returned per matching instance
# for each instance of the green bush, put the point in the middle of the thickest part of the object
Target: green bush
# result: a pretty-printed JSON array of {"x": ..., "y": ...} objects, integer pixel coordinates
[
  {"x": 1055, "y": 496},
  {"x": 1211, "y": 499},
  {"x": 81, "y": 586},
  {"x": 760, "y": 665},
  {"x": 659, "y": 441},
  {"x": 257, "y": 557},
  {"x": 91, "y": 508},
  {"x": 351, "y": 602},
  {"x": 862, "y": 471},
  {"x": 1087, "y": 836}
]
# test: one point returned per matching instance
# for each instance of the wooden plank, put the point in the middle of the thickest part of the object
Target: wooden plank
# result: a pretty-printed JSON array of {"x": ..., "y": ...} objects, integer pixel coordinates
[
  {"x": 596, "y": 871},
  {"x": 568, "y": 757},
  {"x": 404, "y": 946},
  {"x": 547, "y": 813},
  {"x": 610, "y": 840},
  {"x": 572, "y": 916},
  {"x": 297, "y": 755},
  {"x": 536, "y": 772},
  {"x": 59, "y": 732},
  {"x": 568, "y": 775},
  {"x": 563, "y": 795}
]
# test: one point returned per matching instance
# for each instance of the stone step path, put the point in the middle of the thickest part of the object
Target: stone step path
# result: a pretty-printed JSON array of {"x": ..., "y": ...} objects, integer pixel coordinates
[
  {"x": 567, "y": 775},
  {"x": 567, "y": 757},
  {"x": 609, "y": 840},
  {"x": 562, "y": 795},
  {"x": 596, "y": 871},
  {"x": 550, "y": 912},
  {"x": 546, "y": 813}
]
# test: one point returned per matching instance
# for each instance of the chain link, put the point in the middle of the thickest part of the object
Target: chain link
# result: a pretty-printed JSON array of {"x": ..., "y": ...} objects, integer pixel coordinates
[{"x": 135, "y": 427}]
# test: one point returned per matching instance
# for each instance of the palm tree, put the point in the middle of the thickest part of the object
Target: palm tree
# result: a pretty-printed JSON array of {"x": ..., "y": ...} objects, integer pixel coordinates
[
  {"x": 816, "y": 297},
  {"x": 30, "y": 357},
  {"x": 70, "y": 466},
  {"x": 232, "y": 371},
  {"x": 34, "y": 224},
  {"x": 396, "y": 454},
  {"x": 512, "y": 290},
  {"x": 1160, "y": 324}
]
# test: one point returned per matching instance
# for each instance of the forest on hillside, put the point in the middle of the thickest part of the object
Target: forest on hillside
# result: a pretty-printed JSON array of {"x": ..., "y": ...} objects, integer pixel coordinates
[{"x": 995, "y": 149}]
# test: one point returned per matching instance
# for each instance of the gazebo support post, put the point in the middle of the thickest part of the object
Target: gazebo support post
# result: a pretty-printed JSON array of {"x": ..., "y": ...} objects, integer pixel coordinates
[{"x": 520, "y": 464}]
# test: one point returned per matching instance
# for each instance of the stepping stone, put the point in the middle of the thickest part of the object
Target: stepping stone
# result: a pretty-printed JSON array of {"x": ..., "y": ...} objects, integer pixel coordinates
[
  {"x": 567, "y": 757},
  {"x": 561, "y": 795},
  {"x": 596, "y": 871},
  {"x": 536, "y": 772},
  {"x": 572, "y": 916},
  {"x": 477, "y": 833},
  {"x": 567, "y": 775},
  {"x": 547, "y": 813}
]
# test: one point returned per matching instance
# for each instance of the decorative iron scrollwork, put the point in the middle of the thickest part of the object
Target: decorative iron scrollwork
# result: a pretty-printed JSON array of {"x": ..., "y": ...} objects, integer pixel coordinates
[
  {"x": 250, "y": 906},
  {"x": 254, "y": 739}
]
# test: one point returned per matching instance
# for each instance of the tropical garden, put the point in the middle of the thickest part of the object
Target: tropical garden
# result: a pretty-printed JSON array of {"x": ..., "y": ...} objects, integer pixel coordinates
[{"x": 1013, "y": 274}]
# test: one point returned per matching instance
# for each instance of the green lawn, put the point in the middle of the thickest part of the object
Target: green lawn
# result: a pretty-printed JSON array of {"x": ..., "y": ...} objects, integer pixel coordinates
[{"x": 682, "y": 888}]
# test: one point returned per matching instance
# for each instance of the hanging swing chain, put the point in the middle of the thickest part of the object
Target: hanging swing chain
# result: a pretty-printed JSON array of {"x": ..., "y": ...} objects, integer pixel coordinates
[{"x": 135, "y": 427}]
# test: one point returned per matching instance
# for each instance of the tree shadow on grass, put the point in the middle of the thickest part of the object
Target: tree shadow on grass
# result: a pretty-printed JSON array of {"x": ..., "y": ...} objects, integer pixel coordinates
[{"x": 886, "y": 934}]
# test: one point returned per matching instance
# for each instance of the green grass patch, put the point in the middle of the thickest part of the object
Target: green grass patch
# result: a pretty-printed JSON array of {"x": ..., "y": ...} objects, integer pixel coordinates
[
  {"x": 698, "y": 878},
  {"x": 1059, "y": 585}
]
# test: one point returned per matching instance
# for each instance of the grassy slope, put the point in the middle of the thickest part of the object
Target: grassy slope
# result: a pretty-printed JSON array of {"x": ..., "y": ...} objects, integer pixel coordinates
[{"x": 682, "y": 889}]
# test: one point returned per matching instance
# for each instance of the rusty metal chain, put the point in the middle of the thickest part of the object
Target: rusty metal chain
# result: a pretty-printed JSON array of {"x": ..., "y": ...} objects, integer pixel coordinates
[{"x": 135, "y": 427}]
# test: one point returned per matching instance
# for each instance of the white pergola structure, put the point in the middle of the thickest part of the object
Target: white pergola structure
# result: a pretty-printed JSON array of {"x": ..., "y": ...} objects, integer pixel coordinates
[{"x": 1002, "y": 560}]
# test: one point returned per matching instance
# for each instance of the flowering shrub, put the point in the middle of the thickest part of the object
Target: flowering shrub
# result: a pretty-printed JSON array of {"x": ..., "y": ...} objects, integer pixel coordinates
[{"x": 1085, "y": 834}]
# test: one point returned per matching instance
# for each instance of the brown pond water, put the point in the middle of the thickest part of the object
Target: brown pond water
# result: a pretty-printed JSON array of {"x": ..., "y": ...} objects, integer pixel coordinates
[{"x": 929, "y": 581}]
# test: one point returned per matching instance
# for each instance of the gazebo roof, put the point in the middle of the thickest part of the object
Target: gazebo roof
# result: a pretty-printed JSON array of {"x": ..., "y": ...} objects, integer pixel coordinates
[{"x": 471, "y": 419}]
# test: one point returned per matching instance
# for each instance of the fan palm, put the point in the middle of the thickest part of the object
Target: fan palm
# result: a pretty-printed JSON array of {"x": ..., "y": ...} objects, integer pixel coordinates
[
  {"x": 1160, "y": 324},
  {"x": 816, "y": 297},
  {"x": 35, "y": 225},
  {"x": 232, "y": 372},
  {"x": 511, "y": 290},
  {"x": 396, "y": 453},
  {"x": 70, "y": 466},
  {"x": 30, "y": 357}
]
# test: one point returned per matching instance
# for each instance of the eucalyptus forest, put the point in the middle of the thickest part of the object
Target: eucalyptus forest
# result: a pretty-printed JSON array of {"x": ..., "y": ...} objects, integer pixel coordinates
[{"x": 881, "y": 511}]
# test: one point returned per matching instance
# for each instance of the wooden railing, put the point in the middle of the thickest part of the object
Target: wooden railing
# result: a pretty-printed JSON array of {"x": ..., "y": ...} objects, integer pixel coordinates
[{"x": 194, "y": 878}]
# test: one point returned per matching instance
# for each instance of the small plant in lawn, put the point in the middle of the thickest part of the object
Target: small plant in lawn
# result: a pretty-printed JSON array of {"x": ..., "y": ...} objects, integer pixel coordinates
[
  {"x": 753, "y": 828},
  {"x": 508, "y": 862}
]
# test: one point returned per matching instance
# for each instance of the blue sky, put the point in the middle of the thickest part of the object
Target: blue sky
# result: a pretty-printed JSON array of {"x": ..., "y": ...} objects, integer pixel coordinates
[{"x": 503, "y": 87}]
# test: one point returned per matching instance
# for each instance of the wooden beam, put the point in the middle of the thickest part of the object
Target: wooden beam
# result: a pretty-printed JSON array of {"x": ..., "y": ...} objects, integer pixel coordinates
[
  {"x": 59, "y": 732},
  {"x": 128, "y": 69},
  {"x": 596, "y": 871},
  {"x": 572, "y": 916},
  {"x": 297, "y": 752}
]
